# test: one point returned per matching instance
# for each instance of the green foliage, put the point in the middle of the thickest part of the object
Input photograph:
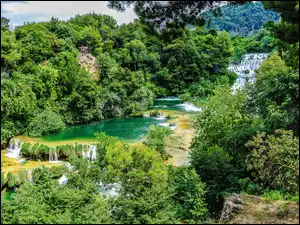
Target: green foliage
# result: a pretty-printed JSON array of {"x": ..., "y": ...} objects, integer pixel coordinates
[
  {"x": 262, "y": 42},
  {"x": 44, "y": 123},
  {"x": 250, "y": 187},
  {"x": 156, "y": 139},
  {"x": 244, "y": 20},
  {"x": 274, "y": 160},
  {"x": 225, "y": 123},
  {"x": 189, "y": 194},
  {"x": 275, "y": 95},
  {"x": 3, "y": 180},
  {"x": 214, "y": 166},
  {"x": 145, "y": 196},
  {"x": 287, "y": 30},
  {"x": 67, "y": 205},
  {"x": 198, "y": 58},
  {"x": 273, "y": 195}
]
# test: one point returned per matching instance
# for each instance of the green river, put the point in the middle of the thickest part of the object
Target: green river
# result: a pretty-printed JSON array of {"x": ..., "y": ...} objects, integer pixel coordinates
[{"x": 127, "y": 129}]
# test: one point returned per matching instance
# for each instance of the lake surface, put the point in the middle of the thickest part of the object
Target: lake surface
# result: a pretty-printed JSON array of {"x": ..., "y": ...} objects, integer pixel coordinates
[
  {"x": 8, "y": 194},
  {"x": 123, "y": 128},
  {"x": 127, "y": 129}
]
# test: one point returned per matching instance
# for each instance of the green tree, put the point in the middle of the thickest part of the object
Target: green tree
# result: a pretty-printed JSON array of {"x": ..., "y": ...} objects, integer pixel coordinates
[
  {"x": 274, "y": 160},
  {"x": 189, "y": 193},
  {"x": 44, "y": 123},
  {"x": 156, "y": 138}
]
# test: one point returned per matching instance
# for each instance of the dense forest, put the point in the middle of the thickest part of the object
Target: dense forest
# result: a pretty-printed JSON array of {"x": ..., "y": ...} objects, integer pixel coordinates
[
  {"x": 245, "y": 142},
  {"x": 43, "y": 87},
  {"x": 245, "y": 20}
]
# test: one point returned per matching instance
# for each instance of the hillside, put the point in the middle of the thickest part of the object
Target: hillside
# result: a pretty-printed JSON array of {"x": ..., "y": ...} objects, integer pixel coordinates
[{"x": 244, "y": 20}]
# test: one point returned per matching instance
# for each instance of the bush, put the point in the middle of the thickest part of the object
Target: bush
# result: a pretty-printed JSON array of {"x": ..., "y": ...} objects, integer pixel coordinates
[
  {"x": 11, "y": 180},
  {"x": 189, "y": 193},
  {"x": 249, "y": 187},
  {"x": 45, "y": 123},
  {"x": 274, "y": 160},
  {"x": 155, "y": 113},
  {"x": 273, "y": 195},
  {"x": 156, "y": 139}
]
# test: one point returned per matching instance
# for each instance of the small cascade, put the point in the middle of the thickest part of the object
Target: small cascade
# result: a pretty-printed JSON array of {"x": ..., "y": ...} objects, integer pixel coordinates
[
  {"x": 245, "y": 70},
  {"x": 69, "y": 166},
  {"x": 91, "y": 153},
  {"x": 62, "y": 180},
  {"x": 189, "y": 107},
  {"x": 53, "y": 156},
  {"x": 164, "y": 124},
  {"x": 160, "y": 118},
  {"x": 14, "y": 148},
  {"x": 29, "y": 176}
]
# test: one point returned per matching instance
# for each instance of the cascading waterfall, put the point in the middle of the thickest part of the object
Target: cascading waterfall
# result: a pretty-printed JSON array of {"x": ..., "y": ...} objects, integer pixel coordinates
[
  {"x": 189, "y": 107},
  {"x": 91, "y": 153},
  {"x": 245, "y": 70},
  {"x": 14, "y": 148},
  {"x": 53, "y": 156}
]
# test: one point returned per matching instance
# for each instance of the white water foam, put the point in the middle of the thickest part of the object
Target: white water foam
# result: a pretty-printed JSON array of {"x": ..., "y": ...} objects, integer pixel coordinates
[
  {"x": 14, "y": 148},
  {"x": 246, "y": 69},
  {"x": 189, "y": 107},
  {"x": 173, "y": 127},
  {"x": 164, "y": 124},
  {"x": 91, "y": 153},
  {"x": 160, "y": 118},
  {"x": 168, "y": 99}
]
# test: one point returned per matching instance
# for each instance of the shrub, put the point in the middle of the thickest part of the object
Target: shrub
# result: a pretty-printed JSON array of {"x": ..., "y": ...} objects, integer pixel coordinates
[
  {"x": 274, "y": 160},
  {"x": 189, "y": 193},
  {"x": 156, "y": 138},
  {"x": 155, "y": 113},
  {"x": 44, "y": 123},
  {"x": 11, "y": 180}
]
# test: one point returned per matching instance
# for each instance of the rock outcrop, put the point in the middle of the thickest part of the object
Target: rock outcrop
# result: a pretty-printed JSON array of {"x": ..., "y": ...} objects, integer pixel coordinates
[
  {"x": 89, "y": 61},
  {"x": 250, "y": 209}
]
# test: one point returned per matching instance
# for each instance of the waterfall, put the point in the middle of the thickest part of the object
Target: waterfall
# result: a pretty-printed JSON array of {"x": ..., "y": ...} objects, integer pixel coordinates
[
  {"x": 245, "y": 70},
  {"x": 29, "y": 174},
  {"x": 14, "y": 148},
  {"x": 189, "y": 107},
  {"x": 53, "y": 156},
  {"x": 91, "y": 153}
]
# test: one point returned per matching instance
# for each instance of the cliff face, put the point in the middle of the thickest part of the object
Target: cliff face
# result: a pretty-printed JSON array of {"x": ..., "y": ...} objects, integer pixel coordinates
[
  {"x": 88, "y": 61},
  {"x": 249, "y": 209}
]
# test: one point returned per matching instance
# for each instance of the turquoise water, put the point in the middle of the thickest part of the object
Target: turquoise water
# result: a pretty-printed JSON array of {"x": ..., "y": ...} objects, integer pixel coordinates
[
  {"x": 9, "y": 194},
  {"x": 128, "y": 129},
  {"x": 123, "y": 128},
  {"x": 173, "y": 103},
  {"x": 170, "y": 103}
]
